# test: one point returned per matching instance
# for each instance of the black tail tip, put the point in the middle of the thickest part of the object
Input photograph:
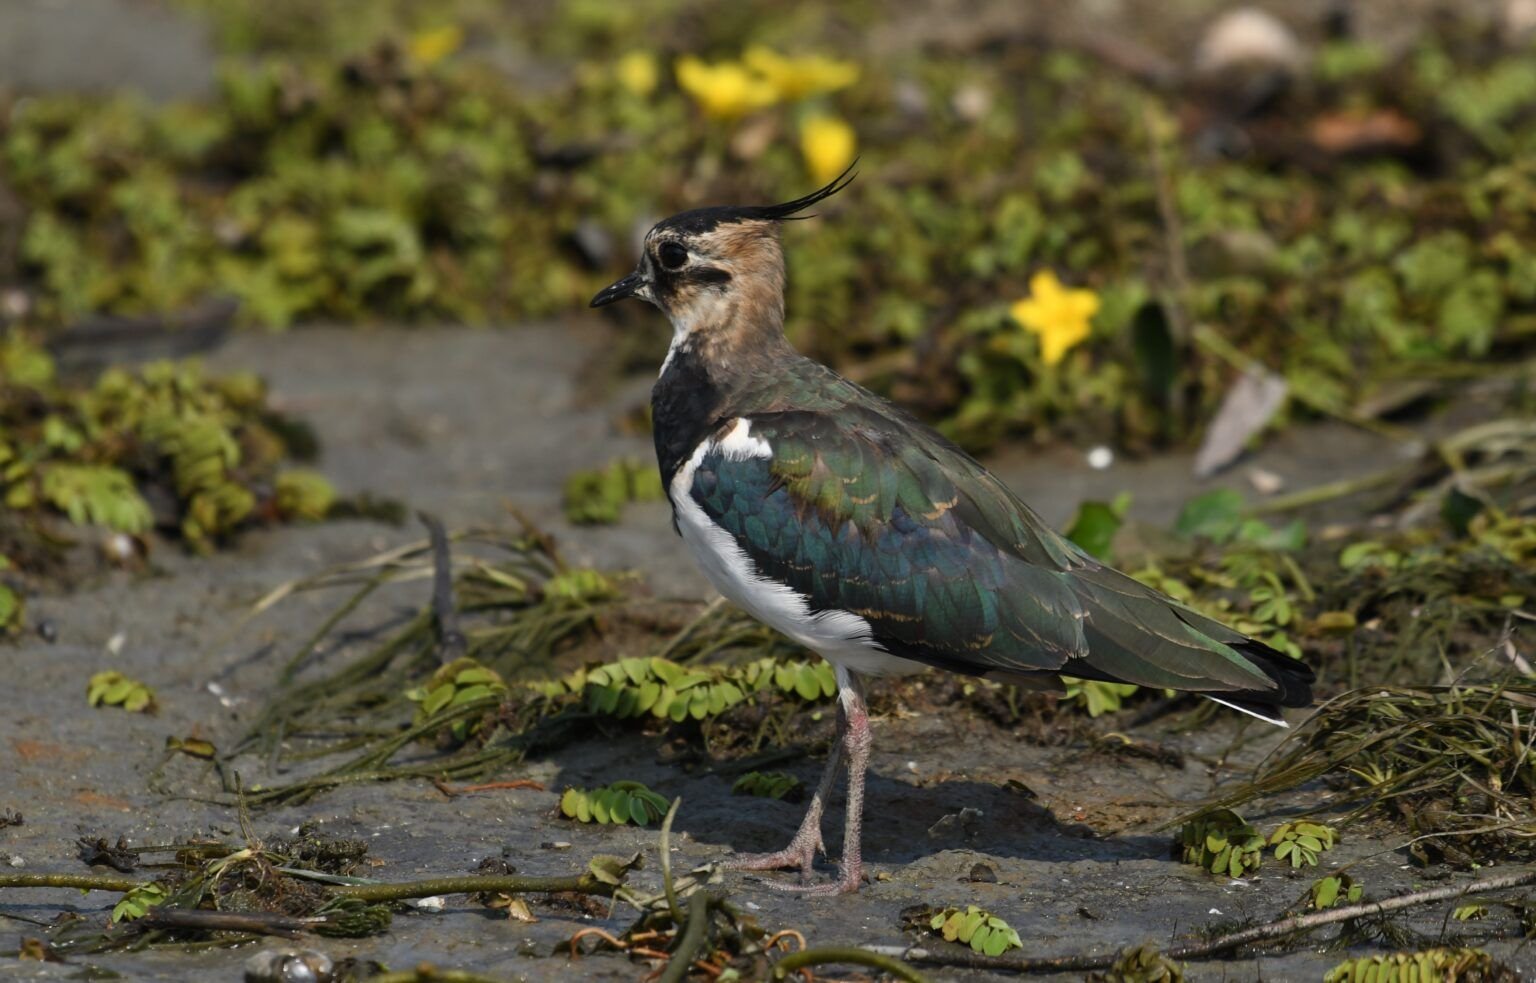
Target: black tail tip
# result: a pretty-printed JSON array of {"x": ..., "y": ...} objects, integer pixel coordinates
[{"x": 1293, "y": 677}]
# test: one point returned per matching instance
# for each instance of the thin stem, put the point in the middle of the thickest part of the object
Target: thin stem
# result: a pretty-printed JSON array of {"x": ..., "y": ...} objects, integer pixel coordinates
[
  {"x": 296, "y": 661},
  {"x": 1331, "y": 490},
  {"x": 472, "y": 884},
  {"x": 846, "y": 954},
  {"x": 692, "y": 937},
  {"x": 666, "y": 862},
  {"x": 85, "y": 882}
]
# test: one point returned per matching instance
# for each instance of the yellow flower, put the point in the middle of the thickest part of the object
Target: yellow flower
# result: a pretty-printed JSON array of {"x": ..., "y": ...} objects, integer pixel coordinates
[
  {"x": 828, "y": 144},
  {"x": 726, "y": 90},
  {"x": 1059, "y": 316},
  {"x": 430, "y": 47},
  {"x": 799, "y": 78},
  {"x": 637, "y": 72}
]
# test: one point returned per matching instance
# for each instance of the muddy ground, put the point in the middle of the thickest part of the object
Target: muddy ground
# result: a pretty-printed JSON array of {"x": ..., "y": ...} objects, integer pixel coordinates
[{"x": 465, "y": 423}]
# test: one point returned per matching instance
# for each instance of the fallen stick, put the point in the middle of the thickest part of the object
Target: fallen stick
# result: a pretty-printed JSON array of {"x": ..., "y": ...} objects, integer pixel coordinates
[
  {"x": 472, "y": 884},
  {"x": 250, "y": 922},
  {"x": 1020, "y": 963},
  {"x": 468, "y": 884},
  {"x": 85, "y": 882}
]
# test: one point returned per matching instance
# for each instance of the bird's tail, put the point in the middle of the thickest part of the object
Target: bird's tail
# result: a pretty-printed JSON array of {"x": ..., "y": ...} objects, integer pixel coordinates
[{"x": 1292, "y": 677}]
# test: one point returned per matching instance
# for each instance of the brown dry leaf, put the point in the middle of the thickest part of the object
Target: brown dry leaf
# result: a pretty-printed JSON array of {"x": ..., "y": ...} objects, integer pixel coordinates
[
  {"x": 1351, "y": 132},
  {"x": 517, "y": 908}
]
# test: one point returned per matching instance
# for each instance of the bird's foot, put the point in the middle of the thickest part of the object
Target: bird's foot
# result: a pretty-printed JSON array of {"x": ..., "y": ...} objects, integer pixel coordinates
[
  {"x": 799, "y": 855},
  {"x": 849, "y": 880}
]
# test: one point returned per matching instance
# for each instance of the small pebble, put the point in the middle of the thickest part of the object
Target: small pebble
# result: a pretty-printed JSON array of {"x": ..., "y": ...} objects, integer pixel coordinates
[
  {"x": 1100, "y": 458},
  {"x": 17, "y": 860},
  {"x": 15, "y": 304},
  {"x": 289, "y": 966},
  {"x": 1265, "y": 482},
  {"x": 120, "y": 548},
  {"x": 982, "y": 874},
  {"x": 48, "y": 630},
  {"x": 971, "y": 102}
]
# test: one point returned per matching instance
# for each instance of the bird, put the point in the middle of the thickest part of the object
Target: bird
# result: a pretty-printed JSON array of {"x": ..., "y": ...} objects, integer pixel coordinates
[{"x": 839, "y": 519}]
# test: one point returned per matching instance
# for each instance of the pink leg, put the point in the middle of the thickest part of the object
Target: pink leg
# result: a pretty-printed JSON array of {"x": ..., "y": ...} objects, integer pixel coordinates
[
  {"x": 853, "y": 728},
  {"x": 801, "y": 852}
]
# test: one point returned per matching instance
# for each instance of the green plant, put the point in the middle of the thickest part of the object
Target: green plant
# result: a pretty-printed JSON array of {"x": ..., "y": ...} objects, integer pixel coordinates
[
  {"x": 94, "y": 493},
  {"x": 1300, "y": 842},
  {"x": 596, "y": 497},
  {"x": 337, "y": 174},
  {"x": 137, "y": 902},
  {"x": 1095, "y": 525},
  {"x": 618, "y": 803},
  {"x": 1095, "y": 696},
  {"x": 1221, "y": 842},
  {"x": 976, "y": 927},
  {"x": 457, "y": 684},
  {"x": 208, "y": 446},
  {"x": 664, "y": 689},
  {"x": 581, "y": 585},
  {"x": 113, "y": 689},
  {"x": 12, "y": 608},
  {"x": 303, "y": 494},
  {"x": 1142, "y": 964},
  {"x": 1329, "y": 891},
  {"x": 1437, "y": 760},
  {"x": 769, "y": 785},
  {"x": 1417, "y": 967}
]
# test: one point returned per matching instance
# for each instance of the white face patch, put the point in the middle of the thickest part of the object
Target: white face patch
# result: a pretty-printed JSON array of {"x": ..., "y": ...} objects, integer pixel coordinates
[{"x": 841, "y": 637}]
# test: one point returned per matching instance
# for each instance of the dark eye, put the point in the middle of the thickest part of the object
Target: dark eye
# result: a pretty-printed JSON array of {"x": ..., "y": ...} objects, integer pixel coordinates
[{"x": 672, "y": 256}]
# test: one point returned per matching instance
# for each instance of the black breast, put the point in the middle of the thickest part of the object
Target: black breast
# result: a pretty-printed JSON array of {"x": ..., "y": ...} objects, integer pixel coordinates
[{"x": 685, "y": 409}]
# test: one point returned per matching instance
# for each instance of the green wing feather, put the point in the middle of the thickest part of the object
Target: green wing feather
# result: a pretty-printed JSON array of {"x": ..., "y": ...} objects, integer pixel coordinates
[{"x": 863, "y": 509}]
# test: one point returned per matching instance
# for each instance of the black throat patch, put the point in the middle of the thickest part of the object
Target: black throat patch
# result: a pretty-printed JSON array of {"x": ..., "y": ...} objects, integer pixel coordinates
[{"x": 685, "y": 409}]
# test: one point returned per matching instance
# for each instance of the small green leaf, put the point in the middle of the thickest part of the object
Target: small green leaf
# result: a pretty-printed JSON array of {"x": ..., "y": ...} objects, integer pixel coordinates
[
  {"x": 137, "y": 902},
  {"x": 112, "y": 688},
  {"x": 1214, "y": 515},
  {"x": 1094, "y": 528},
  {"x": 619, "y": 803},
  {"x": 983, "y": 931}
]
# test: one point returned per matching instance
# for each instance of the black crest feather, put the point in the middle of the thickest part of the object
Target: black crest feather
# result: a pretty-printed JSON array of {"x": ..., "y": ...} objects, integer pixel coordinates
[{"x": 704, "y": 219}]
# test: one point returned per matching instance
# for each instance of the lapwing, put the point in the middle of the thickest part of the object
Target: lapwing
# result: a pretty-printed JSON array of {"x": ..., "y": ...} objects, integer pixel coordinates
[{"x": 839, "y": 519}]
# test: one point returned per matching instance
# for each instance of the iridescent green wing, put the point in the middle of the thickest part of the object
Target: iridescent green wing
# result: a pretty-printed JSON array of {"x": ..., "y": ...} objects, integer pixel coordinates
[{"x": 863, "y": 510}]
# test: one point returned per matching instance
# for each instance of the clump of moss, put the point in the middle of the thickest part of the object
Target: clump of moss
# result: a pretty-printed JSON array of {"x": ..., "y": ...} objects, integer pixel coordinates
[
  {"x": 598, "y": 496},
  {"x": 166, "y": 445}
]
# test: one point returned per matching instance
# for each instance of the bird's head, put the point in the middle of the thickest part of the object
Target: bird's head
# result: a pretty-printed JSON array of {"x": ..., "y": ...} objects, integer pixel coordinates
[{"x": 719, "y": 269}]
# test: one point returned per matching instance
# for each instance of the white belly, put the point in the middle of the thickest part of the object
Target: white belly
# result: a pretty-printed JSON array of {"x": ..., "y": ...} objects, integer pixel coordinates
[{"x": 840, "y": 637}]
